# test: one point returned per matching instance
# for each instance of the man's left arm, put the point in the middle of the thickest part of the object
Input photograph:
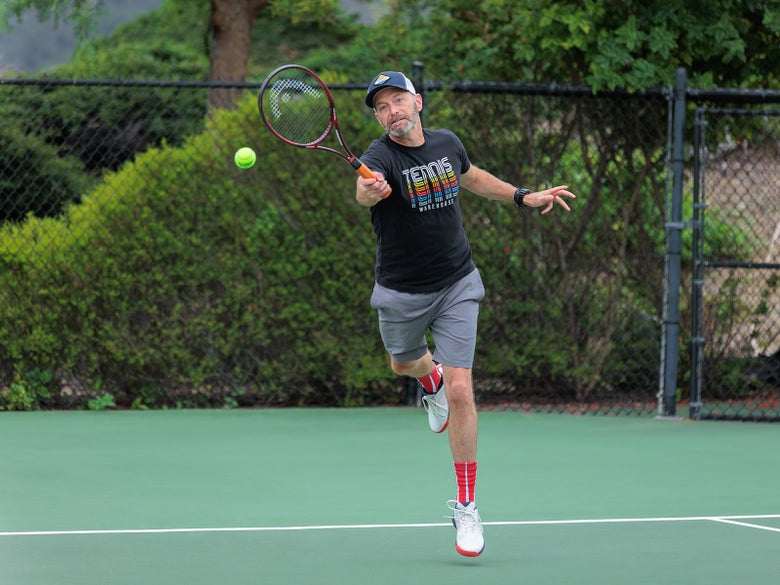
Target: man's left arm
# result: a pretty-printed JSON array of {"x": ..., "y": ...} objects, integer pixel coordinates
[{"x": 485, "y": 184}]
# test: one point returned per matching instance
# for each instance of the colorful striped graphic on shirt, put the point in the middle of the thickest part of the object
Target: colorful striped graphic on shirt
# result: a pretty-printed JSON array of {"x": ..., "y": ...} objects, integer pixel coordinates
[{"x": 431, "y": 186}]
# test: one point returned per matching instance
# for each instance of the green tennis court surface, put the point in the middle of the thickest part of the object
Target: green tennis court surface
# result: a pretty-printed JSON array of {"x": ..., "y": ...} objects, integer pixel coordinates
[{"x": 359, "y": 496}]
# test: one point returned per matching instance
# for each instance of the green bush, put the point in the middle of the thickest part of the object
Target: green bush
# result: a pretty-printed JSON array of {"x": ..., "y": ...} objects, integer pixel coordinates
[
  {"x": 59, "y": 134},
  {"x": 34, "y": 178},
  {"x": 183, "y": 280}
]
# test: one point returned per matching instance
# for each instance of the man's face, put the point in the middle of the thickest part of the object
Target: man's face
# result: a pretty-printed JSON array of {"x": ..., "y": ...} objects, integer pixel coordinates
[{"x": 397, "y": 111}]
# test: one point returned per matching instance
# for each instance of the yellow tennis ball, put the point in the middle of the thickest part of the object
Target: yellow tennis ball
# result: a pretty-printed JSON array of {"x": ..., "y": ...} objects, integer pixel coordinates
[{"x": 245, "y": 158}]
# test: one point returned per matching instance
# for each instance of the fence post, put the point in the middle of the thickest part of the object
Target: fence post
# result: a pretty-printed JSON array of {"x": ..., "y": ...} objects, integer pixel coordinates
[
  {"x": 673, "y": 248},
  {"x": 697, "y": 281}
]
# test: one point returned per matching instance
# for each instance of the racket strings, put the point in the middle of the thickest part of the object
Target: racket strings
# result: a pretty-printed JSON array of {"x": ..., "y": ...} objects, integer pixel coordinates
[{"x": 297, "y": 108}]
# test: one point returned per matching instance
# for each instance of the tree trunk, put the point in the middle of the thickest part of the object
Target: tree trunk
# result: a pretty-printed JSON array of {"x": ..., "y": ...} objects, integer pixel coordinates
[{"x": 231, "y": 40}]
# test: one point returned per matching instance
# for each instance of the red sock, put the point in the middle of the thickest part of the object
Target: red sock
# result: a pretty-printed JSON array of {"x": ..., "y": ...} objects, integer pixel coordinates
[
  {"x": 466, "y": 475},
  {"x": 430, "y": 383}
]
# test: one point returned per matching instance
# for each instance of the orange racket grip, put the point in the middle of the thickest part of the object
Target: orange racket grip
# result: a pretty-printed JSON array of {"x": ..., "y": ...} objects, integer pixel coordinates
[{"x": 367, "y": 173}]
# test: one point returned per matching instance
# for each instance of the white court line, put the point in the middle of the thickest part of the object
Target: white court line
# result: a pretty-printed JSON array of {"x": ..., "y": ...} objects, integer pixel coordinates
[
  {"x": 724, "y": 519},
  {"x": 746, "y": 524}
]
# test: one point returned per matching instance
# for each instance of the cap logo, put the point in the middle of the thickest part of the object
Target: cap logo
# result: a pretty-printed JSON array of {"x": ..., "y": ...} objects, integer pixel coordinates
[{"x": 381, "y": 79}]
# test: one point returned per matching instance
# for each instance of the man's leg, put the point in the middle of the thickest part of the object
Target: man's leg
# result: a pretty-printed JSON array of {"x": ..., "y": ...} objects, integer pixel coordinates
[
  {"x": 469, "y": 540},
  {"x": 431, "y": 380},
  {"x": 414, "y": 369},
  {"x": 463, "y": 413}
]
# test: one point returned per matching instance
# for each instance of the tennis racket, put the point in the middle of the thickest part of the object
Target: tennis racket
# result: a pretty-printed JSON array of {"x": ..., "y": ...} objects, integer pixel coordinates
[{"x": 297, "y": 107}]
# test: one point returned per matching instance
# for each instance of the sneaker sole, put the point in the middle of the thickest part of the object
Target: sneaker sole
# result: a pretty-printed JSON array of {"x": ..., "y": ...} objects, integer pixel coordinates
[
  {"x": 444, "y": 428},
  {"x": 468, "y": 553}
]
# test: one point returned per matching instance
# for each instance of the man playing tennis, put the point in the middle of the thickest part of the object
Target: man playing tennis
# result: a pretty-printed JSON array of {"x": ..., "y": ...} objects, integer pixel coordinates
[{"x": 426, "y": 279}]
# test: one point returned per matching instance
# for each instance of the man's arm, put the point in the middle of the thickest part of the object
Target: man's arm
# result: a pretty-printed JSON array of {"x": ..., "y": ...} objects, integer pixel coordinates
[
  {"x": 487, "y": 185},
  {"x": 369, "y": 192}
]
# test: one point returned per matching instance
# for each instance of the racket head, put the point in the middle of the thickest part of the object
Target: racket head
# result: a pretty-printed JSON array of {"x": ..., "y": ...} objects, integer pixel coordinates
[{"x": 296, "y": 106}]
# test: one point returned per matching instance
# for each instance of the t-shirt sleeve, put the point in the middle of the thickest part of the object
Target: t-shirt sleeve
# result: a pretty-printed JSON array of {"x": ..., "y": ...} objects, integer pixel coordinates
[
  {"x": 465, "y": 162},
  {"x": 376, "y": 157}
]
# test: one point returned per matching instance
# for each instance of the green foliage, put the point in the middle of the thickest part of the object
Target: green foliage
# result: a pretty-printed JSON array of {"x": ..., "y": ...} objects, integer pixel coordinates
[
  {"x": 725, "y": 238},
  {"x": 66, "y": 137},
  {"x": 34, "y": 176},
  {"x": 146, "y": 59},
  {"x": 727, "y": 43},
  {"x": 182, "y": 281},
  {"x": 55, "y": 132},
  {"x": 101, "y": 402},
  {"x": 62, "y": 129},
  {"x": 165, "y": 44},
  {"x": 278, "y": 41},
  {"x": 401, "y": 37},
  {"x": 27, "y": 391},
  {"x": 322, "y": 13},
  {"x": 82, "y": 14},
  {"x": 181, "y": 272}
]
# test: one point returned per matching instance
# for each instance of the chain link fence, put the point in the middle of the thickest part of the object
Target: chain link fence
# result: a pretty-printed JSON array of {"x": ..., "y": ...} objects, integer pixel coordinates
[
  {"x": 571, "y": 321},
  {"x": 736, "y": 285},
  {"x": 589, "y": 278}
]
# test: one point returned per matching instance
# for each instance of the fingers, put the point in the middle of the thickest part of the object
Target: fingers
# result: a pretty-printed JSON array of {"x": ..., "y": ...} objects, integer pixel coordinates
[
  {"x": 562, "y": 191},
  {"x": 557, "y": 199},
  {"x": 555, "y": 195},
  {"x": 375, "y": 187},
  {"x": 380, "y": 186}
]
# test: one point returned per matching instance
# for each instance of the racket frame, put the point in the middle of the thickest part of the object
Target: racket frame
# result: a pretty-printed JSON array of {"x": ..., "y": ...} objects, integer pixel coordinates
[{"x": 333, "y": 125}]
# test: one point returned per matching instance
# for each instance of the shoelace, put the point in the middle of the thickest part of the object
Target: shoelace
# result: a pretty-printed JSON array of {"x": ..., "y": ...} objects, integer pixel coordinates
[
  {"x": 467, "y": 520},
  {"x": 429, "y": 403}
]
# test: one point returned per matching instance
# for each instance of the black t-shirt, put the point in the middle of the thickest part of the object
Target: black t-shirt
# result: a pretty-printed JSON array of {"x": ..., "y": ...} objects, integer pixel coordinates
[{"x": 421, "y": 245}]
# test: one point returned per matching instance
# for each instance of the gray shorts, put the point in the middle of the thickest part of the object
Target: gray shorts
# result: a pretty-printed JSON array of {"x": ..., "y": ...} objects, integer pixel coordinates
[{"x": 450, "y": 315}]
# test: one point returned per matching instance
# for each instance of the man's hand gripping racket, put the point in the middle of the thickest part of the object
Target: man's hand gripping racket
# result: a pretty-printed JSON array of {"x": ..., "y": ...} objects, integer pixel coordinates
[{"x": 297, "y": 107}]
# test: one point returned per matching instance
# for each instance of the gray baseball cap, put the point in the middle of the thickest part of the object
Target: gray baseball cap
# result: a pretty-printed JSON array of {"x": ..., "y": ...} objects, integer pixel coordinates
[{"x": 388, "y": 79}]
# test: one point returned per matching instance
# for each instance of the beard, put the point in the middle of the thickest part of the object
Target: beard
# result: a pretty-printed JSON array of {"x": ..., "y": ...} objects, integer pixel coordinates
[{"x": 405, "y": 129}]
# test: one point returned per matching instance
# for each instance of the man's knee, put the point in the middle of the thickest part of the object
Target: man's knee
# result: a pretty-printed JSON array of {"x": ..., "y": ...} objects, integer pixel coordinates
[
  {"x": 404, "y": 368},
  {"x": 460, "y": 392}
]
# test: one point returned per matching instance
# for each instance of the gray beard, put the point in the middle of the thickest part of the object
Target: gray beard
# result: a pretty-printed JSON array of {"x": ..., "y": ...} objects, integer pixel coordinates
[{"x": 405, "y": 130}]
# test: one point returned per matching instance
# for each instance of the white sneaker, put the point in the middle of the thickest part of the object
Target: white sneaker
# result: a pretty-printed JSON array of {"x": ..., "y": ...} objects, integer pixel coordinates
[
  {"x": 468, "y": 526},
  {"x": 437, "y": 407}
]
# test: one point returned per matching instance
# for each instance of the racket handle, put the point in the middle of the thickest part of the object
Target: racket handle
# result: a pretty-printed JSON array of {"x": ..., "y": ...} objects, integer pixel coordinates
[{"x": 367, "y": 173}]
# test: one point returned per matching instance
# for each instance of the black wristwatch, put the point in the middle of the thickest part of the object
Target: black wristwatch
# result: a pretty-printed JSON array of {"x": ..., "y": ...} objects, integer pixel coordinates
[{"x": 520, "y": 195}]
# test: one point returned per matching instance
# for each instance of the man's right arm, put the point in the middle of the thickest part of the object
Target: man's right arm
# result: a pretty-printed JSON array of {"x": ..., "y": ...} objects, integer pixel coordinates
[{"x": 369, "y": 192}]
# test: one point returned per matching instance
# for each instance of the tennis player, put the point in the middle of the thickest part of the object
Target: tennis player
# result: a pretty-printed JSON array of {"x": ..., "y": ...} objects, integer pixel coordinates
[{"x": 426, "y": 279}]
